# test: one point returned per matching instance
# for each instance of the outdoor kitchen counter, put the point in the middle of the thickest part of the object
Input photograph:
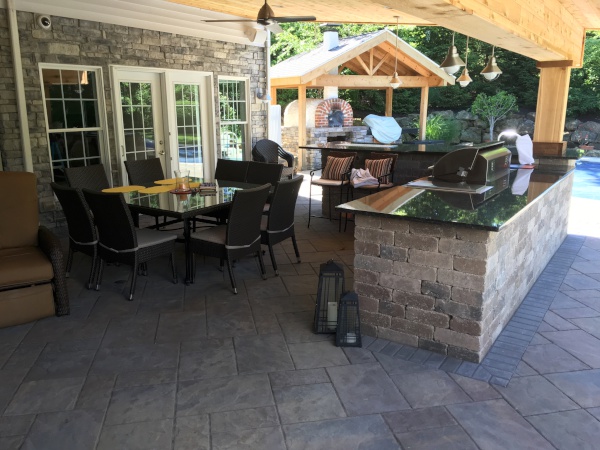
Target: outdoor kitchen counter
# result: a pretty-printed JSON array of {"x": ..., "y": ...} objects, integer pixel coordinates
[
  {"x": 413, "y": 159},
  {"x": 444, "y": 272}
]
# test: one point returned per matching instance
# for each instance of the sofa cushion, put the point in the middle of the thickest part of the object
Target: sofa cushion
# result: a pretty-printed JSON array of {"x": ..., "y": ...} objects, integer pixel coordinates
[
  {"x": 19, "y": 202},
  {"x": 19, "y": 306},
  {"x": 24, "y": 266}
]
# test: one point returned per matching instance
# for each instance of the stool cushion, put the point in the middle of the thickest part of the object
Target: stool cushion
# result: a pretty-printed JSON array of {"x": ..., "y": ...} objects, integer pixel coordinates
[
  {"x": 379, "y": 167},
  {"x": 335, "y": 167}
]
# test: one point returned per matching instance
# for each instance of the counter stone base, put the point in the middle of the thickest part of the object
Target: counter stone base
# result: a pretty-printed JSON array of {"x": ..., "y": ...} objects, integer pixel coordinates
[{"x": 448, "y": 288}]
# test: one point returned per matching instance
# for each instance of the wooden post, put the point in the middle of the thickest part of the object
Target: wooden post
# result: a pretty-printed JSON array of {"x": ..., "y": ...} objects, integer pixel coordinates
[
  {"x": 389, "y": 96},
  {"x": 273, "y": 95},
  {"x": 301, "y": 123},
  {"x": 423, "y": 112},
  {"x": 551, "y": 109}
]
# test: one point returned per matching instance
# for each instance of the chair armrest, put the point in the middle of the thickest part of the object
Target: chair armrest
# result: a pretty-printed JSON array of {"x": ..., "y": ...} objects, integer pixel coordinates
[
  {"x": 51, "y": 246},
  {"x": 287, "y": 156},
  {"x": 312, "y": 172}
]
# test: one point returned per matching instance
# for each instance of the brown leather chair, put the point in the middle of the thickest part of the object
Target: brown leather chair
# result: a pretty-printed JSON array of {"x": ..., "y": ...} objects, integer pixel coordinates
[{"x": 32, "y": 269}]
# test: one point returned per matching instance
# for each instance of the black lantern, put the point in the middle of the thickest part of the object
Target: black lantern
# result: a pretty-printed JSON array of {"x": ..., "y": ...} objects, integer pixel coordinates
[
  {"x": 348, "y": 322},
  {"x": 331, "y": 288}
]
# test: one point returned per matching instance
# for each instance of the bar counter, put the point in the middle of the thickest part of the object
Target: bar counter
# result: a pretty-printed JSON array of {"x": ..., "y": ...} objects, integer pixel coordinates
[
  {"x": 413, "y": 159},
  {"x": 445, "y": 271}
]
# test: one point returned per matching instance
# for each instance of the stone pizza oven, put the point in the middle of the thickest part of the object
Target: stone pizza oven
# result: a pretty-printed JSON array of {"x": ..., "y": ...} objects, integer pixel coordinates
[{"x": 333, "y": 112}]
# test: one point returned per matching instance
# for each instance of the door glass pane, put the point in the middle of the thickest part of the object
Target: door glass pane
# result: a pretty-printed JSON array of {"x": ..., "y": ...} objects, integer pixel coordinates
[
  {"x": 189, "y": 137},
  {"x": 138, "y": 123}
]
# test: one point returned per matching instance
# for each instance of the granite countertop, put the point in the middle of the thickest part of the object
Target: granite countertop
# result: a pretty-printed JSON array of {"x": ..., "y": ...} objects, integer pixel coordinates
[
  {"x": 490, "y": 210},
  {"x": 401, "y": 148}
]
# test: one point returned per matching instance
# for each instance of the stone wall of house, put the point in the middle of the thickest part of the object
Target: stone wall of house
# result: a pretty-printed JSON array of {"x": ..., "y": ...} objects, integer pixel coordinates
[
  {"x": 80, "y": 42},
  {"x": 452, "y": 289}
]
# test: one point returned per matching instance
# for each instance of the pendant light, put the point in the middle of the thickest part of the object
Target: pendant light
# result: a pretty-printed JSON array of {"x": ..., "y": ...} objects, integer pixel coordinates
[
  {"x": 395, "y": 81},
  {"x": 491, "y": 71},
  {"x": 452, "y": 62},
  {"x": 464, "y": 78}
]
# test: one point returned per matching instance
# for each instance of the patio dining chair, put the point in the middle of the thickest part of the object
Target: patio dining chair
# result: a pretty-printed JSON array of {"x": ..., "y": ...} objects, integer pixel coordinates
[
  {"x": 87, "y": 177},
  {"x": 231, "y": 170},
  {"x": 119, "y": 241},
  {"x": 241, "y": 235},
  {"x": 269, "y": 151},
  {"x": 83, "y": 236},
  {"x": 278, "y": 225},
  {"x": 144, "y": 172},
  {"x": 335, "y": 174},
  {"x": 261, "y": 173}
]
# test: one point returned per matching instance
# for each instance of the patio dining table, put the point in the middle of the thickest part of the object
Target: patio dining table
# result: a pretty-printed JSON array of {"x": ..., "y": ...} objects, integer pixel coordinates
[{"x": 184, "y": 207}]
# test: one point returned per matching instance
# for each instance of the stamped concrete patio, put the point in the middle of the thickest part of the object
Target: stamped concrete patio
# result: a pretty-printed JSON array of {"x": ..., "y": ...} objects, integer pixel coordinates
[{"x": 195, "y": 367}]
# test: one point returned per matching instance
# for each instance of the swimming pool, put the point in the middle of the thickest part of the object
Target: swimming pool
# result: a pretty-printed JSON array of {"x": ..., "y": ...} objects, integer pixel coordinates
[{"x": 587, "y": 178}]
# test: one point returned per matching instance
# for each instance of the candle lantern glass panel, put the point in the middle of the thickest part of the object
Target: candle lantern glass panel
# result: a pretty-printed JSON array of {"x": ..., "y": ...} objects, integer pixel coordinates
[
  {"x": 348, "y": 322},
  {"x": 331, "y": 288}
]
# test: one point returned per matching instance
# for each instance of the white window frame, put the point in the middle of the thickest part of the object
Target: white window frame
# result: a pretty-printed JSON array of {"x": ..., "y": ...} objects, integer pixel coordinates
[
  {"x": 102, "y": 129},
  {"x": 247, "y": 122}
]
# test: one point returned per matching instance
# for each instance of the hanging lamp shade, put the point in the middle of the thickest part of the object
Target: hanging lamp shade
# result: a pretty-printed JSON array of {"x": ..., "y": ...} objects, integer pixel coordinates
[
  {"x": 464, "y": 78},
  {"x": 452, "y": 62},
  {"x": 491, "y": 71},
  {"x": 395, "y": 81}
]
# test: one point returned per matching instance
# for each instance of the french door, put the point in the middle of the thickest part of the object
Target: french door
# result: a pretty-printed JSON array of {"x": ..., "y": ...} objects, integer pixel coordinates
[
  {"x": 165, "y": 115},
  {"x": 141, "y": 133}
]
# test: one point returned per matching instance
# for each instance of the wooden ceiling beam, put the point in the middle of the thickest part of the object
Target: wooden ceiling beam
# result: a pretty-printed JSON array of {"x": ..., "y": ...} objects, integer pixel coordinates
[{"x": 374, "y": 82}]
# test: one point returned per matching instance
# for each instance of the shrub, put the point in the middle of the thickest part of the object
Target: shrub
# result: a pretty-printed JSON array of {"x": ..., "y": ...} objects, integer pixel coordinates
[{"x": 441, "y": 128}]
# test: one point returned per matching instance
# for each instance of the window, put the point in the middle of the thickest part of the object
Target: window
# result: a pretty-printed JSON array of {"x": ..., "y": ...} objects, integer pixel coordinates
[
  {"x": 75, "y": 125},
  {"x": 234, "y": 117}
]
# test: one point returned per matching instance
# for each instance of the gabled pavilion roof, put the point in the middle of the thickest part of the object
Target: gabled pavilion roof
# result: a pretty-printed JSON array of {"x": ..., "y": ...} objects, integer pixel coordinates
[{"x": 370, "y": 56}]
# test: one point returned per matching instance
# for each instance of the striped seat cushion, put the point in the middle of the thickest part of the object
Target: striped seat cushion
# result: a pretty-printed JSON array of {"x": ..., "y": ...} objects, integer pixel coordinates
[
  {"x": 336, "y": 167},
  {"x": 379, "y": 167}
]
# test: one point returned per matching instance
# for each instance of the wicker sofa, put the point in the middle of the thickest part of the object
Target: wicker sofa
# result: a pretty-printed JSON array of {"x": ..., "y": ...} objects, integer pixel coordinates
[{"x": 32, "y": 269}]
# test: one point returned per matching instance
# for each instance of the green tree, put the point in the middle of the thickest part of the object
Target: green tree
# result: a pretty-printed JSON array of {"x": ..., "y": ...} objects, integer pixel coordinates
[
  {"x": 493, "y": 108},
  {"x": 584, "y": 91},
  {"x": 520, "y": 76}
]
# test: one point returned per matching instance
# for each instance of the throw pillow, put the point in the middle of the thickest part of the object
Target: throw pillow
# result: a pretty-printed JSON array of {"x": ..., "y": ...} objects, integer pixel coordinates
[
  {"x": 336, "y": 167},
  {"x": 379, "y": 167}
]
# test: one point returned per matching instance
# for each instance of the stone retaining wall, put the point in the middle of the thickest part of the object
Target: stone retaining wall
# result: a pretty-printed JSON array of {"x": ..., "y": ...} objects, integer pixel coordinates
[{"x": 448, "y": 288}]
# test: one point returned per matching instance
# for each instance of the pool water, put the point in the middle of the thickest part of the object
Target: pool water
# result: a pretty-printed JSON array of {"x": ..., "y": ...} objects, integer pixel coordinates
[{"x": 587, "y": 178}]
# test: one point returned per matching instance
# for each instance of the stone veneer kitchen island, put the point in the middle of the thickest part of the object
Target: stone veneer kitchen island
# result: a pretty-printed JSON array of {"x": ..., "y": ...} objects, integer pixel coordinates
[{"x": 446, "y": 271}]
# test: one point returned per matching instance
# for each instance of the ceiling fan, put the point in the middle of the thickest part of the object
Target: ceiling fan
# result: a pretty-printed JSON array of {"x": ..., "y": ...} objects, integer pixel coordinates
[{"x": 266, "y": 17}]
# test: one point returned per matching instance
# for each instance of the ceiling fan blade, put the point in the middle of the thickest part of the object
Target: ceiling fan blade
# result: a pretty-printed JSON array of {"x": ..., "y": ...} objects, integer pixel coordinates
[
  {"x": 230, "y": 20},
  {"x": 274, "y": 28},
  {"x": 294, "y": 19}
]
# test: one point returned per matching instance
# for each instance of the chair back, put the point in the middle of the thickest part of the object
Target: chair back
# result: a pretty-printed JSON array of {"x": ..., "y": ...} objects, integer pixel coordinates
[
  {"x": 245, "y": 215},
  {"x": 231, "y": 170},
  {"x": 87, "y": 177},
  {"x": 269, "y": 151},
  {"x": 283, "y": 204},
  {"x": 20, "y": 209},
  {"x": 265, "y": 151},
  {"x": 144, "y": 172},
  {"x": 113, "y": 219},
  {"x": 77, "y": 212},
  {"x": 261, "y": 173}
]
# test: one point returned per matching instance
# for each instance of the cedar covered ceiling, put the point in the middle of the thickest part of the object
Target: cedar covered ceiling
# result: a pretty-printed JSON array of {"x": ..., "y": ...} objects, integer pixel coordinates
[{"x": 544, "y": 30}]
